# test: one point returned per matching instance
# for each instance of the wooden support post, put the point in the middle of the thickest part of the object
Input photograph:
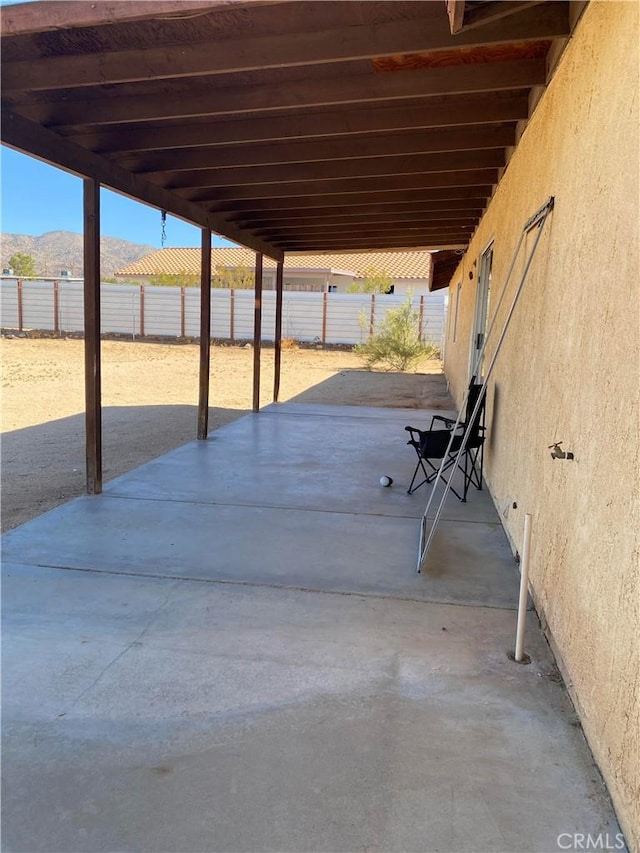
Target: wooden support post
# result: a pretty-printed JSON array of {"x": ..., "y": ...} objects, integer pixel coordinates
[
  {"x": 20, "y": 311},
  {"x": 325, "y": 301},
  {"x": 372, "y": 318},
  {"x": 205, "y": 334},
  {"x": 183, "y": 322},
  {"x": 257, "y": 331},
  {"x": 56, "y": 307},
  {"x": 421, "y": 316},
  {"x": 142, "y": 310},
  {"x": 92, "y": 365},
  {"x": 278, "y": 331}
]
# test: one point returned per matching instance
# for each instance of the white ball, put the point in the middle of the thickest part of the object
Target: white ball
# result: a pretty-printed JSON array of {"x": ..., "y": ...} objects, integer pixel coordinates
[{"x": 385, "y": 481}]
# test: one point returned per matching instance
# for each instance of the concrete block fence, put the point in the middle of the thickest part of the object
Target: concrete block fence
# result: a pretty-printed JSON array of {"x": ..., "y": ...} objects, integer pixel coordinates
[{"x": 173, "y": 312}]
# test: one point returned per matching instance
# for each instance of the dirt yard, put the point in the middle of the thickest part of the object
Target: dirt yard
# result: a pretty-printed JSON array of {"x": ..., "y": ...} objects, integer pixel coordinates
[{"x": 149, "y": 395}]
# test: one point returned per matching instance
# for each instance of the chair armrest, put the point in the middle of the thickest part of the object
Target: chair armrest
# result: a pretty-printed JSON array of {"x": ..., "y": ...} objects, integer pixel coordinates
[
  {"x": 415, "y": 433},
  {"x": 448, "y": 422}
]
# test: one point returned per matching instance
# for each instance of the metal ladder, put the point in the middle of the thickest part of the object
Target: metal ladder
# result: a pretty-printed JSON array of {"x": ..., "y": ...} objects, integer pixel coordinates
[{"x": 536, "y": 221}]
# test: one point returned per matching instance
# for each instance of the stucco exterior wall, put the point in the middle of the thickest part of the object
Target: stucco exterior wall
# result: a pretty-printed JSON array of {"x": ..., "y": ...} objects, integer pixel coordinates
[{"x": 569, "y": 371}]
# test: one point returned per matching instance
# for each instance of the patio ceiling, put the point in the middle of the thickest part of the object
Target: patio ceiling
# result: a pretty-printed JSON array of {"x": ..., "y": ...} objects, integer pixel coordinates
[{"x": 285, "y": 126}]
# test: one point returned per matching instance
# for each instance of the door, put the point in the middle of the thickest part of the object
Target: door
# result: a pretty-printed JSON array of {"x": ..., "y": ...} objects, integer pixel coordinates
[{"x": 481, "y": 316}]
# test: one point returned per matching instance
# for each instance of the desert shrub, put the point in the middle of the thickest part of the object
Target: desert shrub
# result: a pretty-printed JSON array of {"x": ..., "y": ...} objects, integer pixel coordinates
[
  {"x": 396, "y": 345},
  {"x": 373, "y": 281}
]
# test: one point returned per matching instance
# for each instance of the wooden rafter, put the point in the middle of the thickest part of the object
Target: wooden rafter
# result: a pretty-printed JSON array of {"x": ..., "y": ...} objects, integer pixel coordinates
[
  {"x": 275, "y": 51},
  {"x": 24, "y": 18},
  {"x": 314, "y": 151},
  {"x": 455, "y": 13},
  {"x": 295, "y": 173},
  {"x": 485, "y": 14},
  {"x": 390, "y": 184},
  {"x": 401, "y": 210},
  {"x": 284, "y": 126},
  {"x": 443, "y": 241},
  {"x": 390, "y": 227},
  {"x": 24, "y": 135},
  {"x": 256, "y": 99},
  {"x": 454, "y": 111},
  {"x": 343, "y": 201}
]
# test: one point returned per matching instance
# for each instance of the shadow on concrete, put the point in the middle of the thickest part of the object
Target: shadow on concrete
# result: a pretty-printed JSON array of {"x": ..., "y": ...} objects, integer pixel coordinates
[
  {"x": 44, "y": 465},
  {"x": 373, "y": 388}
]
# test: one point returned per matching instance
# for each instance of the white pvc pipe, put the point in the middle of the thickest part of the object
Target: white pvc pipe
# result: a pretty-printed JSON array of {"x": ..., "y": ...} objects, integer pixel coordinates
[{"x": 524, "y": 589}]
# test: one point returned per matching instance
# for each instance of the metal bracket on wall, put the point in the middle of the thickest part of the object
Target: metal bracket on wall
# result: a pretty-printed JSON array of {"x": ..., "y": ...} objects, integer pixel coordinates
[{"x": 536, "y": 221}]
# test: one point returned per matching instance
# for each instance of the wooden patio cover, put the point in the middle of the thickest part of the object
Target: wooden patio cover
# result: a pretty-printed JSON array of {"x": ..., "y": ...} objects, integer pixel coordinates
[{"x": 284, "y": 125}]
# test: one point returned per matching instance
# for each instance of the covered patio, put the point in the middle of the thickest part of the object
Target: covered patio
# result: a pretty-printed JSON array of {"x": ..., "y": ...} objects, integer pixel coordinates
[{"x": 230, "y": 649}]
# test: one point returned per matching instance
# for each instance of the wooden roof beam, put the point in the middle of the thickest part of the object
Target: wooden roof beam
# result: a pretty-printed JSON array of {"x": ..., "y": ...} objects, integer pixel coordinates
[
  {"x": 284, "y": 225},
  {"x": 301, "y": 234},
  {"x": 455, "y": 13},
  {"x": 409, "y": 164},
  {"x": 455, "y": 111},
  {"x": 39, "y": 142},
  {"x": 414, "y": 234},
  {"x": 442, "y": 241},
  {"x": 343, "y": 187},
  {"x": 311, "y": 151},
  {"x": 231, "y": 208},
  {"x": 488, "y": 13},
  {"x": 397, "y": 208},
  {"x": 296, "y": 95},
  {"x": 326, "y": 222},
  {"x": 368, "y": 41},
  {"x": 304, "y": 226},
  {"x": 25, "y": 18}
]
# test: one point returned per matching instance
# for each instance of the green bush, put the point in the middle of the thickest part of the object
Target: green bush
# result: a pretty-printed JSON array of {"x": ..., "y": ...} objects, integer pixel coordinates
[
  {"x": 373, "y": 281},
  {"x": 396, "y": 344},
  {"x": 23, "y": 264}
]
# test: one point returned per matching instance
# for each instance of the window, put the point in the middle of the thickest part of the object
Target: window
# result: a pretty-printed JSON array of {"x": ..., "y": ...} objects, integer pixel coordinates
[{"x": 481, "y": 317}]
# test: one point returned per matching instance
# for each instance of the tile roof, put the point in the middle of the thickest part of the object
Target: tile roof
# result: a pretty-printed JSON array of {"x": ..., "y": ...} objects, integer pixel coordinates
[{"x": 416, "y": 264}]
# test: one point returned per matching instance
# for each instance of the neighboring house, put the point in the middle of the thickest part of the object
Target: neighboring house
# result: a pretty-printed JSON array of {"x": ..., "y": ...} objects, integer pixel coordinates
[
  {"x": 569, "y": 371},
  {"x": 332, "y": 273}
]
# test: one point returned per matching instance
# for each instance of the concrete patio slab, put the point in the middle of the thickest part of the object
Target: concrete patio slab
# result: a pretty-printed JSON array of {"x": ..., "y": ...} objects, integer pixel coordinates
[
  {"x": 230, "y": 650},
  {"x": 331, "y": 551},
  {"x": 274, "y": 459},
  {"x": 238, "y": 719}
]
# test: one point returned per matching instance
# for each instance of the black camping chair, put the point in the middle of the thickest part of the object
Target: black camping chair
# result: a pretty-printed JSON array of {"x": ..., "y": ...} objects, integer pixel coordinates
[{"x": 434, "y": 444}]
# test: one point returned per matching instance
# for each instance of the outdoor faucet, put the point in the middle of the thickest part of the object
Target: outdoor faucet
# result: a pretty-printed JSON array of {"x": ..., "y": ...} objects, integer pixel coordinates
[{"x": 557, "y": 453}]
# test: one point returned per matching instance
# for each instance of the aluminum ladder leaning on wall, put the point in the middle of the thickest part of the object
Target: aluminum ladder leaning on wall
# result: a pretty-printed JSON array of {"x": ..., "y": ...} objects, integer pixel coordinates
[{"x": 536, "y": 221}]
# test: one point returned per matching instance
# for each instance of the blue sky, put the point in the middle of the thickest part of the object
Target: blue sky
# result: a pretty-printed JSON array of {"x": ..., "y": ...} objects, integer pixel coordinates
[{"x": 37, "y": 198}]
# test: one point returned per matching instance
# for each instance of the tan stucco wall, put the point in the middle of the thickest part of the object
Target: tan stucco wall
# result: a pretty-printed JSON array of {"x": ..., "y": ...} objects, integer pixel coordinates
[{"x": 569, "y": 371}]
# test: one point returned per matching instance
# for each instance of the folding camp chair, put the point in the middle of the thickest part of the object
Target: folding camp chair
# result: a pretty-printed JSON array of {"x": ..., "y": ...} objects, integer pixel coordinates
[{"x": 434, "y": 444}]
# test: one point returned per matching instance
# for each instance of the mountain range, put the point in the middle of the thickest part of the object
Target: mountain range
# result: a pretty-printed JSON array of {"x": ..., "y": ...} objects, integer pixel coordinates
[{"x": 63, "y": 250}]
